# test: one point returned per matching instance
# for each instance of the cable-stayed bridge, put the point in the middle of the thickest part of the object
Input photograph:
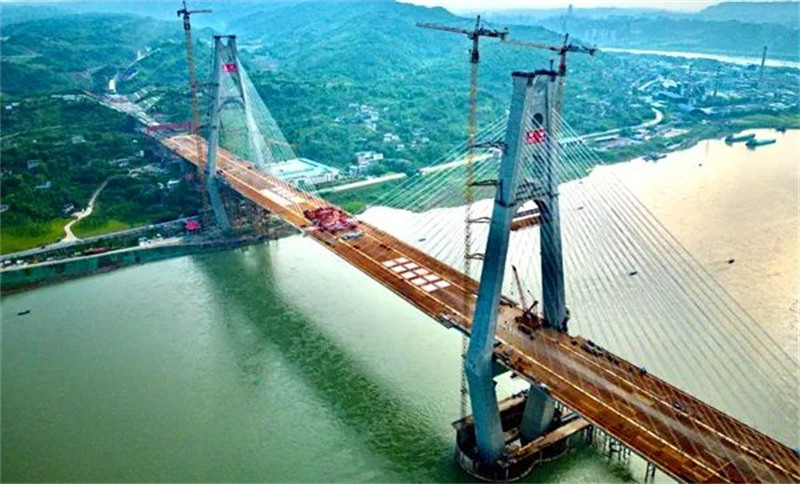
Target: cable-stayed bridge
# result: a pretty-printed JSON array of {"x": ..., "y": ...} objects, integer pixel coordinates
[{"x": 612, "y": 246}]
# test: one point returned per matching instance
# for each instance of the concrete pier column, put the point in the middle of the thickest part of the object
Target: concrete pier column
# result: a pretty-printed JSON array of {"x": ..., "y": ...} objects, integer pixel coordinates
[
  {"x": 540, "y": 408},
  {"x": 530, "y": 107}
]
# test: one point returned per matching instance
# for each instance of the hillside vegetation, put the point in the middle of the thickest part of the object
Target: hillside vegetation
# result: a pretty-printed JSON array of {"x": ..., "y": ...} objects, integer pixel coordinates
[
  {"x": 338, "y": 76},
  {"x": 783, "y": 13},
  {"x": 732, "y": 28}
]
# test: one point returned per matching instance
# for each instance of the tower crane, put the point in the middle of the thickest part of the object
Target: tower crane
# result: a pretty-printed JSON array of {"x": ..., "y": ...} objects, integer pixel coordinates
[
  {"x": 195, "y": 126},
  {"x": 562, "y": 51},
  {"x": 480, "y": 30},
  {"x": 475, "y": 34}
]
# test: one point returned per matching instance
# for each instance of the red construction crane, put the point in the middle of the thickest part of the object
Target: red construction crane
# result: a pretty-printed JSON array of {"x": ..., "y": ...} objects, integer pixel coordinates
[{"x": 195, "y": 125}]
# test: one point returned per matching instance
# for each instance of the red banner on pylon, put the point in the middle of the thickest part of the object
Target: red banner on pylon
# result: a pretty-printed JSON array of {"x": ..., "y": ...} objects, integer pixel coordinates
[{"x": 535, "y": 136}]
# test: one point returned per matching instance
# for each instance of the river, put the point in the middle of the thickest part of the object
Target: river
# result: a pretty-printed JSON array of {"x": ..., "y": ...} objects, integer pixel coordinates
[
  {"x": 728, "y": 59},
  {"x": 281, "y": 363}
]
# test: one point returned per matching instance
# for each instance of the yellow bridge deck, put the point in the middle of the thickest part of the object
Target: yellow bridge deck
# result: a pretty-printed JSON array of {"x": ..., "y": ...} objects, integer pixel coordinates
[{"x": 683, "y": 436}]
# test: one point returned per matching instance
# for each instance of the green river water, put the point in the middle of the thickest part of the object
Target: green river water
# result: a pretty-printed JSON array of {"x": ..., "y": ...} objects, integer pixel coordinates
[{"x": 282, "y": 363}]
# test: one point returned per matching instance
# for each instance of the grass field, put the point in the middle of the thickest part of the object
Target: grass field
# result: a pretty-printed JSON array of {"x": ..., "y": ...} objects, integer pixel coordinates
[
  {"x": 88, "y": 228},
  {"x": 15, "y": 239}
]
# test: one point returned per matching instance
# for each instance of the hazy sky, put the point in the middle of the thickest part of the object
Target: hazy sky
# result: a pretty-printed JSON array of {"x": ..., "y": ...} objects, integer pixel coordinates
[
  {"x": 486, "y": 5},
  {"x": 481, "y": 5}
]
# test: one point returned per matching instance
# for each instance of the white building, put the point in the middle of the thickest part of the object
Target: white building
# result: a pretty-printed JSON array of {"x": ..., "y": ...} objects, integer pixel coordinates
[
  {"x": 305, "y": 170},
  {"x": 368, "y": 157},
  {"x": 391, "y": 138}
]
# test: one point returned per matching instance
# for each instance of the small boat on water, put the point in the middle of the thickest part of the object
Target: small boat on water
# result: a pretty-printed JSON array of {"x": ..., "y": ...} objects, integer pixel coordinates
[
  {"x": 759, "y": 142},
  {"x": 738, "y": 139},
  {"x": 23, "y": 313},
  {"x": 654, "y": 156}
]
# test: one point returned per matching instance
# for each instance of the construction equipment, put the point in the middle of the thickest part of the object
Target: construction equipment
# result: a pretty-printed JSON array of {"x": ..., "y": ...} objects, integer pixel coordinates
[
  {"x": 566, "y": 19},
  {"x": 331, "y": 219},
  {"x": 480, "y": 30},
  {"x": 528, "y": 320},
  {"x": 195, "y": 125},
  {"x": 761, "y": 70},
  {"x": 520, "y": 289},
  {"x": 562, "y": 51},
  {"x": 474, "y": 35}
]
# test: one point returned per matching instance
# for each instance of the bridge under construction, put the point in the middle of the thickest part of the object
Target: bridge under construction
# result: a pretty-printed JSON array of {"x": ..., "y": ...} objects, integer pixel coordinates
[{"x": 678, "y": 433}]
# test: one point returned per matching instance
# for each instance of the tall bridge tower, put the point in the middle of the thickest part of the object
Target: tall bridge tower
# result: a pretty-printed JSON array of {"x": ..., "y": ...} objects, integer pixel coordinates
[
  {"x": 227, "y": 70},
  {"x": 529, "y": 142}
]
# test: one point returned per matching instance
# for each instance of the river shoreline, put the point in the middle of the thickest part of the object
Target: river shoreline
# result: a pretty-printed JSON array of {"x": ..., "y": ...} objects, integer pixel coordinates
[
  {"x": 778, "y": 61},
  {"x": 15, "y": 280},
  {"x": 695, "y": 136}
]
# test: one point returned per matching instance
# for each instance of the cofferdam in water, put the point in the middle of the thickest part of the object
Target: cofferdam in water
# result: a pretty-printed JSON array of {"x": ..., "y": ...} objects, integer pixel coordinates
[{"x": 283, "y": 363}]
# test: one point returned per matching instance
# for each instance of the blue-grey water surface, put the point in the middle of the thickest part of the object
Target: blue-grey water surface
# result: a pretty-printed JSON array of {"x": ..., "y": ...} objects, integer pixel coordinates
[{"x": 281, "y": 363}]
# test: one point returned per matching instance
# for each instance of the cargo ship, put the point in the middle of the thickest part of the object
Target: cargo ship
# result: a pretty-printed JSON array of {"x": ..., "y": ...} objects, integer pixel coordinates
[
  {"x": 759, "y": 142},
  {"x": 738, "y": 139}
]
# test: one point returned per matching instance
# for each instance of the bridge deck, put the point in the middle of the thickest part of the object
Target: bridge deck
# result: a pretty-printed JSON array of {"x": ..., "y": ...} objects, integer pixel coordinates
[{"x": 683, "y": 436}]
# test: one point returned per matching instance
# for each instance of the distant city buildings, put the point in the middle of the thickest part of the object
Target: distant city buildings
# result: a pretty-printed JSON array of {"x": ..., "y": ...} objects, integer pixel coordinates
[
  {"x": 365, "y": 115},
  {"x": 150, "y": 169}
]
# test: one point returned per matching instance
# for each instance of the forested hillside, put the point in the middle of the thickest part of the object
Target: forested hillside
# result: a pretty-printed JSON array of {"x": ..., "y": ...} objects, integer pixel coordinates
[
  {"x": 75, "y": 51},
  {"x": 338, "y": 76},
  {"x": 732, "y": 28},
  {"x": 783, "y": 13},
  {"x": 731, "y": 37},
  {"x": 311, "y": 60}
]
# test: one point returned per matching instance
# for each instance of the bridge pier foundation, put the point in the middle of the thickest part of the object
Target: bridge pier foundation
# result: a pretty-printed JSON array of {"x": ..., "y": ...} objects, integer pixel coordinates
[
  {"x": 520, "y": 456},
  {"x": 650, "y": 472}
]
